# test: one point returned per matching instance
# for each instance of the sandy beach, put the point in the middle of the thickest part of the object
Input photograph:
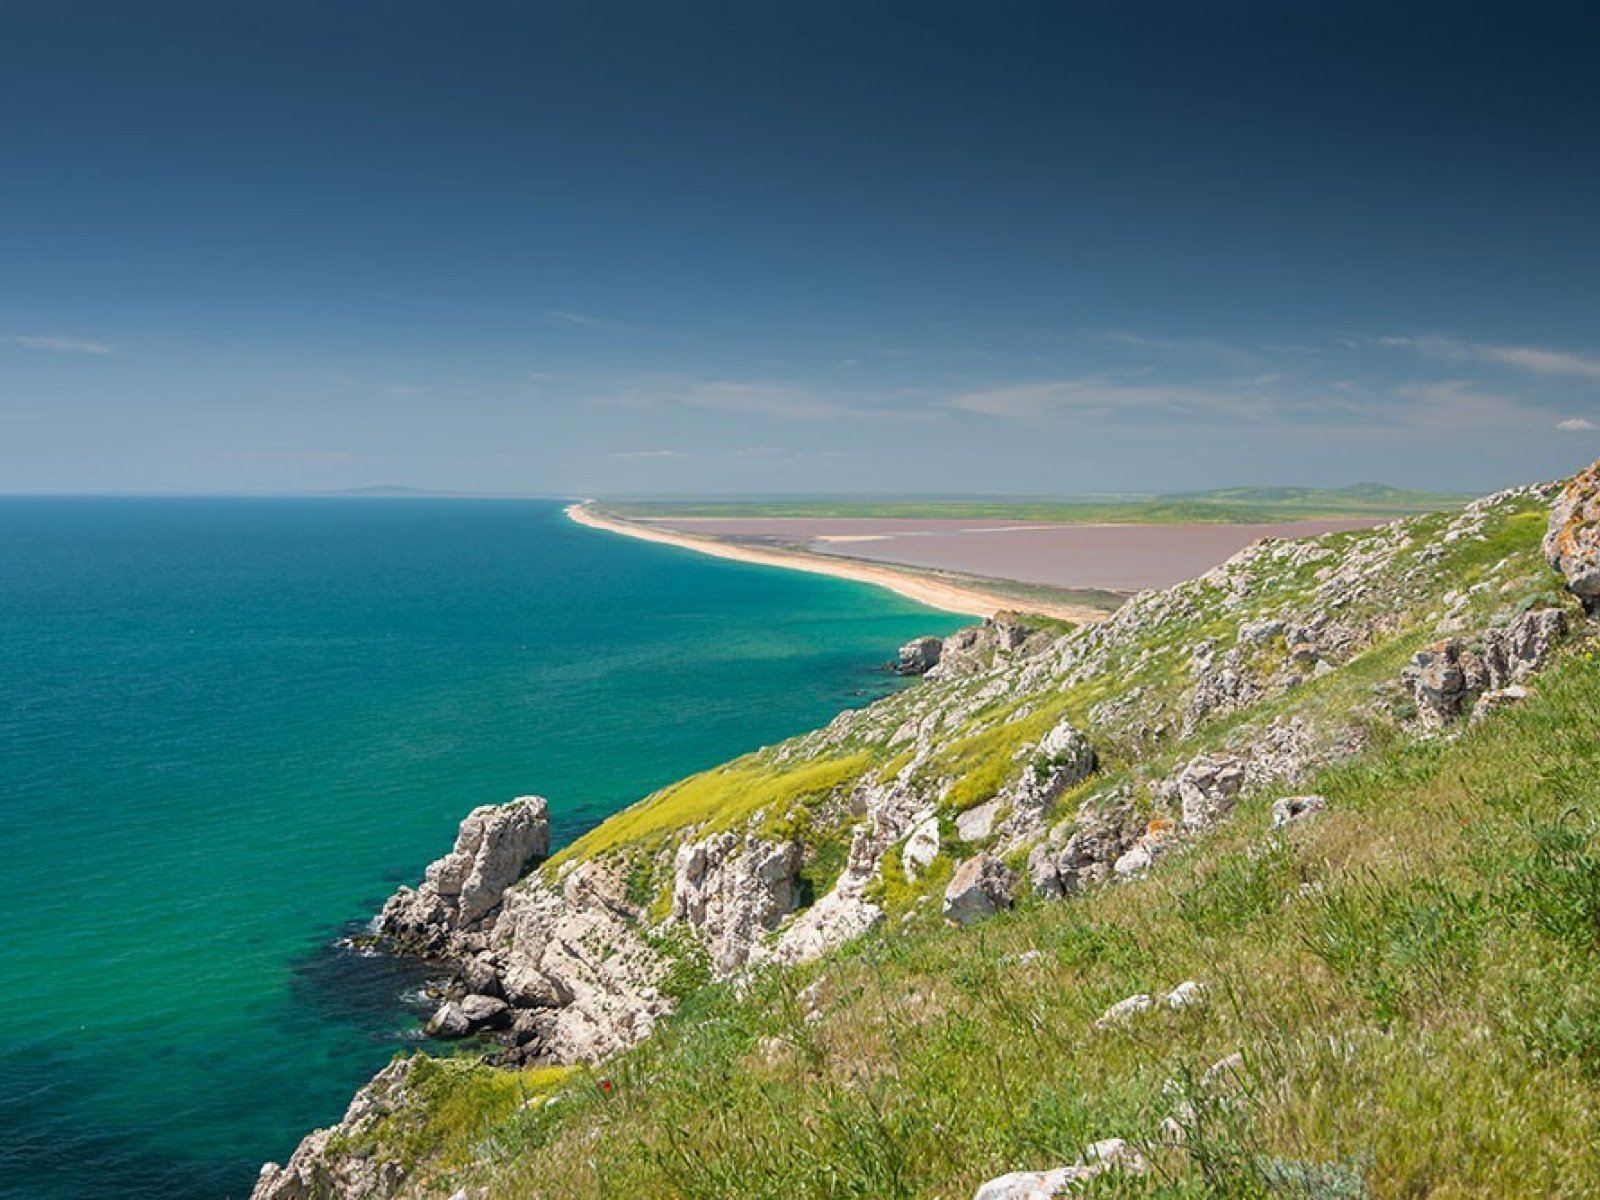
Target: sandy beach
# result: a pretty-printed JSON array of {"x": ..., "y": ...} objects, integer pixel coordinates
[{"x": 935, "y": 593}]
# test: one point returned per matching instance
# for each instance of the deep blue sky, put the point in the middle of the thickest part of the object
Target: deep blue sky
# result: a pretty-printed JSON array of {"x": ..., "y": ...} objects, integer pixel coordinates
[{"x": 601, "y": 247}]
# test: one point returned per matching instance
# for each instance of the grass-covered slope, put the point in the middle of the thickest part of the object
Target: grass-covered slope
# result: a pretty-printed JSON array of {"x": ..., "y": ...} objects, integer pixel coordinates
[
  {"x": 1413, "y": 981},
  {"x": 1410, "y": 978}
]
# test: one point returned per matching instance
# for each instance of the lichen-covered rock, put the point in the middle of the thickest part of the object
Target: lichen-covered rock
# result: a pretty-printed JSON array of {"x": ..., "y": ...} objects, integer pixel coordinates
[
  {"x": 1572, "y": 541},
  {"x": 1498, "y": 700},
  {"x": 1447, "y": 678},
  {"x": 981, "y": 887},
  {"x": 1207, "y": 788},
  {"x": 1104, "y": 830},
  {"x": 733, "y": 890},
  {"x": 1111, "y": 1154},
  {"x": 919, "y": 656},
  {"x": 449, "y": 913}
]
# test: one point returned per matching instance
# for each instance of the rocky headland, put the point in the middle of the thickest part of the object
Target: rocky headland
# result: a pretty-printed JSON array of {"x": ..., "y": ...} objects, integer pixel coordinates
[{"x": 1030, "y": 763}]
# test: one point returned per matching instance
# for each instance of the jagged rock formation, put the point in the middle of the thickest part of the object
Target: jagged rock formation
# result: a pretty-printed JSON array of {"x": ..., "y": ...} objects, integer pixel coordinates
[
  {"x": 1448, "y": 677},
  {"x": 734, "y": 890},
  {"x": 451, "y": 910},
  {"x": 573, "y": 959}
]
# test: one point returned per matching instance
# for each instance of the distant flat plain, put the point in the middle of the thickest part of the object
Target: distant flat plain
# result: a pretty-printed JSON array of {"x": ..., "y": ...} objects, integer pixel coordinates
[
  {"x": 1116, "y": 558},
  {"x": 1086, "y": 553}
]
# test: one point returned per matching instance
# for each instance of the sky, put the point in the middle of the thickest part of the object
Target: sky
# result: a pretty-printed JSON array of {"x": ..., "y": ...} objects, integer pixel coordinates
[{"x": 779, "y": 247}]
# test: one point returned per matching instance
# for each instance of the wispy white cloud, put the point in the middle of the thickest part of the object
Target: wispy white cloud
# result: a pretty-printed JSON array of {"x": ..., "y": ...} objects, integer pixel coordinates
[
  {"x": 1577, "y": 425},
  {"x": 1102, "y": 400},
  {"x": 1538, "y": 360},
  {"x": 61, "y": 345},
  {"x": 647, "y": 454},
  {"x": 581, "y": 320}
]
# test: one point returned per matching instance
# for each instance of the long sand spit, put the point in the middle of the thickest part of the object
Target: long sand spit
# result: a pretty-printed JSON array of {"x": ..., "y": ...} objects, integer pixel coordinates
[{"x": 935, "y": 593}]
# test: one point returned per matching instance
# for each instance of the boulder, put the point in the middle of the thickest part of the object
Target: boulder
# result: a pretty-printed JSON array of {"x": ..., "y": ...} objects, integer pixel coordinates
[
  {"x": 982, "y": 886},
  {"x": 919, "y": 656},
  {"x": 449, "y": 1022},
  {"x": 1292, "y": 808},
  {"x": 1105, "y": 829},
  {"x": 1514, "y": 652},
  {"x": 1187, "y": 994},
  {"x": 921, "y": 848},
  {"x": 485, "y": 1012},
  {"x": 1572, "y": 539},
  {"x": 1111, "y": 1154},
  {"x": 977, "y": 823},
  {"x": 1445, "y": 678},
  {"x": 1122, "y": 1010},
  {"x": 495, "y": 847},
  {"x": 1208, "y": 788}
]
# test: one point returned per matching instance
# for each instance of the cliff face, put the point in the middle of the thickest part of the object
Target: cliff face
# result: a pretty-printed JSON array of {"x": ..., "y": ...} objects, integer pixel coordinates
[{"x": 1030, "y": 762}]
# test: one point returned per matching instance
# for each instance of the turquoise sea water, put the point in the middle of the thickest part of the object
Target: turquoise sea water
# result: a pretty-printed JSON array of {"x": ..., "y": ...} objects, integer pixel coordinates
[{"x": 230, "y": 727}]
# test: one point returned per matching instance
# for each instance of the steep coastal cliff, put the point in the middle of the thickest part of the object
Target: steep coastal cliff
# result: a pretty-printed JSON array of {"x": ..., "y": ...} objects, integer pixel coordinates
[{"x": 1031, "y": 768}]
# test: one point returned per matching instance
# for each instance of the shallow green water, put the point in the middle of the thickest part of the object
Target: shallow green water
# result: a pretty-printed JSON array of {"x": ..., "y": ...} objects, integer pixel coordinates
[{"x": 230, "y": 727}]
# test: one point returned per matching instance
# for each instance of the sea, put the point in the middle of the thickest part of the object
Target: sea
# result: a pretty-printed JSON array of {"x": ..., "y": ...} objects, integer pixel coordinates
[{"x": 230, "y": 727}]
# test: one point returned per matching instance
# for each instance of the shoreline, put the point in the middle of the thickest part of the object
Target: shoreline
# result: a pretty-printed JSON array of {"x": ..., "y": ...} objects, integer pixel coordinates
[{"x": 934, "y": 593}]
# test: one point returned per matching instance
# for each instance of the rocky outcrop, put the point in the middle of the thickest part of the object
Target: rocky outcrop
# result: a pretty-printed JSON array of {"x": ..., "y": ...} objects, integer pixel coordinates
[
  {"x": 320, "y": 1168},
  {"x": 979, "y": 647},
  {"x": 919, "y": 656},
  {"x": 1572, "y": 541},
  {"x": 734, "y": 890},
  {"x": 1208, "y": 788},
  {"x": 981, "y": 887},
  {"x": 573, "y": 961},
  {"x": 1084, "y": 850},
  {"x": 1063, "y": 759},
  {"x": 1447, "y": 678},
  {"x": 1293, "y": 808},
  {"x": 453, "y": 909}
]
